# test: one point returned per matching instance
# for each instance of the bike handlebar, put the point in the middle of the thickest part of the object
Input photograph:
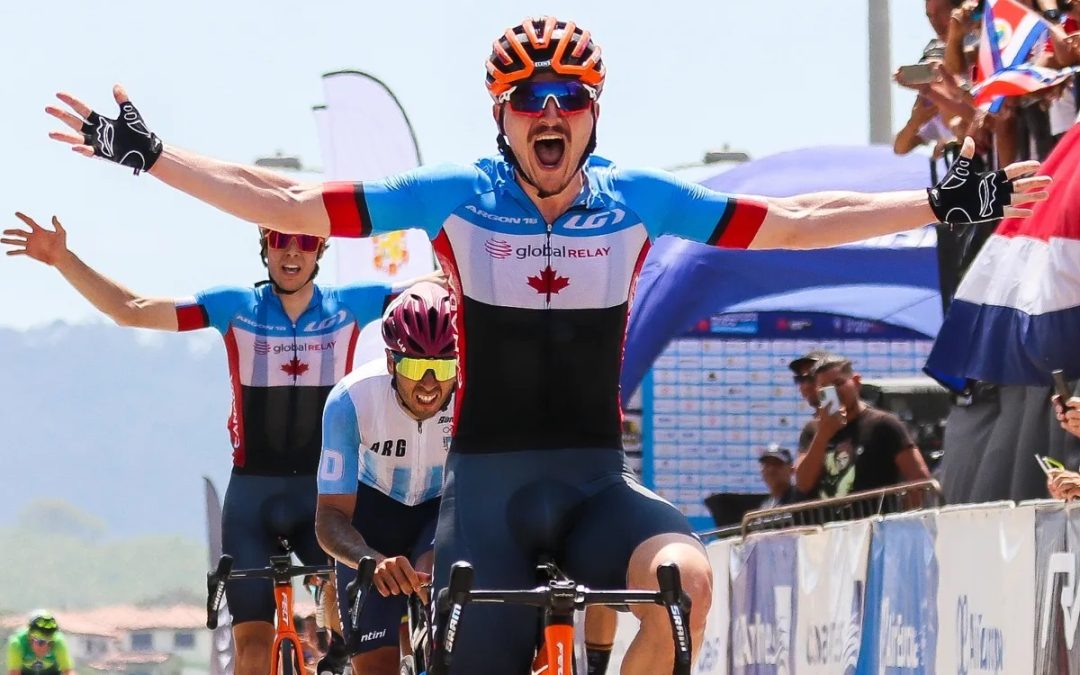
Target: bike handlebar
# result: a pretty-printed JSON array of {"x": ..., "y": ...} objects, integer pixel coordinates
[
  {"x": 561, "y": 596},
  {"x": 215, "y": 590},
  {"x": 279, "y": 571},
  {"x": 357, "y": 590}
]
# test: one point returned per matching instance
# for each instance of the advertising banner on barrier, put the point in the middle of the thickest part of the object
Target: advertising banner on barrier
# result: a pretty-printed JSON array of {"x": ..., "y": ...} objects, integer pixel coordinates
[
  {"x": 713, "y": 652},
  {"x": 764, "y": 604},
  {"x": 901, "y": 622},
  {"x": 1066, "y": 567},
  {"x": 986, "y": 603},
  {"x": 1053, "y": 567},
  {"x": 831, "y": 582}
]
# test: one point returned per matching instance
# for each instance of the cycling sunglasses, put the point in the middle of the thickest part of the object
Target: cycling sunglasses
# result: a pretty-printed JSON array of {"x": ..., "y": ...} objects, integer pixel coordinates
[
  {"x": 308, "y": 243},
  {"x": 40, "y": 642},
  {"x": 414, "y": 369},
  {"x": 531, "y": 98}
]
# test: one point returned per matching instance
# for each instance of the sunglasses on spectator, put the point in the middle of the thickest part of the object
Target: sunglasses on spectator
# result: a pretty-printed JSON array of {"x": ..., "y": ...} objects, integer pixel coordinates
[
  {"x": 806, "y": 377},
  {"x": 531, "y": 98},
  {"x": 414, "y": 369},
  {"x": 308, "y": 243}
]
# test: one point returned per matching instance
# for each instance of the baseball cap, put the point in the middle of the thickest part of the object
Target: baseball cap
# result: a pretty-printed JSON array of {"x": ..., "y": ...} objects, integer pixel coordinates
[
  {"x": 814, "y": 356},
  {"x": 774, "y": 451}
]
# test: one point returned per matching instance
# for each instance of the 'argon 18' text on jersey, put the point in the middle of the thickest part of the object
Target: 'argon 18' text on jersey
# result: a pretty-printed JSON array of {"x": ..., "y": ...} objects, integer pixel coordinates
[
  {"x": 369, "y": 438},
  {"x": 281, "y": 371},
  {"x": 542, "y": 309}
]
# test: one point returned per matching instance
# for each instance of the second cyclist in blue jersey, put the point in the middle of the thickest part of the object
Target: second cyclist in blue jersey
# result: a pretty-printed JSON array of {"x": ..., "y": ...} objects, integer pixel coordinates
[
  {"x": 288, "y": 341},
  {"x": 543, "y": 245},
  {"x": 386, "y": 431}
]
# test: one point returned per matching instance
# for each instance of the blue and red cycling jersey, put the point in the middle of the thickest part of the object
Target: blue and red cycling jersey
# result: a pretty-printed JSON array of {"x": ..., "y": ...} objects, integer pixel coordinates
[
  {"x": 281, "y": 371},
  {"x": 542, "y": 309}
]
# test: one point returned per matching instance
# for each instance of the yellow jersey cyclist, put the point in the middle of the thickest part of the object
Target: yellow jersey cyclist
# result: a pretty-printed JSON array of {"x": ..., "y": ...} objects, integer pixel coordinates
[
  {"x": 39, "y": 649},
  {"x": 288, "y": 341},
  {"x": 542, "y": 246},
  {"x": 386, "y": 431}
]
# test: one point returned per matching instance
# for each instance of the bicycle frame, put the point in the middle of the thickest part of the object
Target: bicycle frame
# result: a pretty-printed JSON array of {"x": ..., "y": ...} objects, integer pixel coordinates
[
  {"x": 285, "y": 628},
  {"x": 557, "y": 654}
]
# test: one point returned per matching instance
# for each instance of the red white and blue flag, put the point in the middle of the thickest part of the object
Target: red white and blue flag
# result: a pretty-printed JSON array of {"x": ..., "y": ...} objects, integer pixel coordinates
[
  {"x": 1010, "y": 34},
  {"x": 1018, "y": 81},
  {"x": 1016, "y": 314}
]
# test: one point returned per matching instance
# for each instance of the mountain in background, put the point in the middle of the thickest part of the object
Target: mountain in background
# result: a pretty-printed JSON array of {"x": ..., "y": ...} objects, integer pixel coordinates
[
  {"x": 120, "y": 423},
  {"x": 60, "y": 557}
]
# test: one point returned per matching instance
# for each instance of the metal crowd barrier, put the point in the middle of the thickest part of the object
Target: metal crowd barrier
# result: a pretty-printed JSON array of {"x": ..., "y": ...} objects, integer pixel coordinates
[{"x": 923, "y": 494}]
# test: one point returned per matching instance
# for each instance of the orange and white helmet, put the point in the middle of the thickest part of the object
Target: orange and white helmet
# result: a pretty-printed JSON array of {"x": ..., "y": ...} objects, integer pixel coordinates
[{"x": 544, "y": 45}]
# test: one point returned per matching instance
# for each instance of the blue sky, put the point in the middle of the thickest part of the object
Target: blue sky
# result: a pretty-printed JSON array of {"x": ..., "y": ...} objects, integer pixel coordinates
[{"x": 237, "y": 79}]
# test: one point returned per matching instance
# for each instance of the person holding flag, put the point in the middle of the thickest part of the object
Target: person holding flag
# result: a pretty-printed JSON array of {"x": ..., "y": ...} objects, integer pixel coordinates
[{"x": 1010, "y": 37}]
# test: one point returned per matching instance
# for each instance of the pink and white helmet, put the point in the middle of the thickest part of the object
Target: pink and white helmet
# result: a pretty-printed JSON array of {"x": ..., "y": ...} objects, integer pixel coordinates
[{"x": 420, "y": 322}]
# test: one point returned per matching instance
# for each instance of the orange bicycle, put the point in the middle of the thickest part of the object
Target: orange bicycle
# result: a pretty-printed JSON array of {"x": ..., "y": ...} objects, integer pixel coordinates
[
  {"x": 287, "y": 657},
  {"x": 558, "y": 601}
]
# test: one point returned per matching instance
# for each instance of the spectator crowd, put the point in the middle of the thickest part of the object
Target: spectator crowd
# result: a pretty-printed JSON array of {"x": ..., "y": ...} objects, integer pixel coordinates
[
  {"x": 847, "y": 445},
  {"x": 1020, "y": 127}
]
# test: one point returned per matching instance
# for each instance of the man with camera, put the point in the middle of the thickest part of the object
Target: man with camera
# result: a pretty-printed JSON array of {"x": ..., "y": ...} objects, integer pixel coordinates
[{"x": 855, "y": 446}]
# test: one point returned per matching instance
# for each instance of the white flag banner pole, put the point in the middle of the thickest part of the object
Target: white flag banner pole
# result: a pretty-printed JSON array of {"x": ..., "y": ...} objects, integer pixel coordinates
[
  {"x": 364, "y": 134},
  {"x": 221, "y": 642}
]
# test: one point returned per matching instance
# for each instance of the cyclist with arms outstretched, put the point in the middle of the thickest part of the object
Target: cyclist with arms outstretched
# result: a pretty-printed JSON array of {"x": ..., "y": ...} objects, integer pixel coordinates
[
  {"x": 386, "y": 430},
  {"x": 288, "y": 340},
  {"x": 542, "y": 246}
]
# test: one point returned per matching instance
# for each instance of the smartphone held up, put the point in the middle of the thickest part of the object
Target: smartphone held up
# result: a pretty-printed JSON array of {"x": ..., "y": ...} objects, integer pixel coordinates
[
  {"x": 830, "y": 400},
  {"x": 1061, "y": 388},
  {"x": 919, "y": 73}
]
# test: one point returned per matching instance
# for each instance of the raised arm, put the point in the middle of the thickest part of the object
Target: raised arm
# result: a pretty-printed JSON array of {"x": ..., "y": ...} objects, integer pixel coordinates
[
  {"x": 669, "y": 205},
  {"x": 907, "y": 139},
  {"x": 114, "y": 300},
  {"x": 247, "y": 192},
  {"x": 830, "y": 218}
]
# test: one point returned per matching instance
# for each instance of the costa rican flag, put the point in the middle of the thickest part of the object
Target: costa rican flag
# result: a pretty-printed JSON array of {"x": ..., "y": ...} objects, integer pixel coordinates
[
  {"x": 1018, "y": 81},
  {"x": 1016, "y": 314},
  {"x": 1010, "y": 33}
]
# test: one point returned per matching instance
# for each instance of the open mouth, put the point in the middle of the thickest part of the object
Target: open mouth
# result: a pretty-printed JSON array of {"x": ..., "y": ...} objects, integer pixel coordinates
[
  {"x": 426, "y": 399},
  {"x": 290, "y": 270},
  {"x": 549, "y": 150}
]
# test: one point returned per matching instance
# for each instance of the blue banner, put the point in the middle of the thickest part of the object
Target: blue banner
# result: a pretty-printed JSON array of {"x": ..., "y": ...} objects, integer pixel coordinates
[
  {"x": 764, "y": 605},
  {"x": 900, "y": 629}
]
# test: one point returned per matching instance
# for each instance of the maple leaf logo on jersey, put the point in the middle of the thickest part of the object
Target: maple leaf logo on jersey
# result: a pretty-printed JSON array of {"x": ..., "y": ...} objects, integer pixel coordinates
[
  {"x": 294, "y": 367},
  {"x": 549, "y": 282}
]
